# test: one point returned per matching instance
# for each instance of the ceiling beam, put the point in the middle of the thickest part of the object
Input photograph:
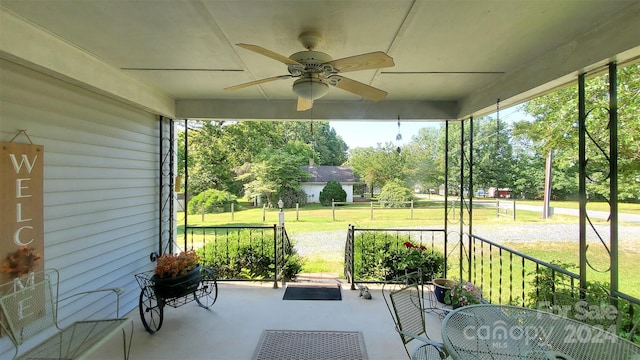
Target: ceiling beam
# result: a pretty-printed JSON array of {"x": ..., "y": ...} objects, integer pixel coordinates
[{"x": 324, "y": 110}]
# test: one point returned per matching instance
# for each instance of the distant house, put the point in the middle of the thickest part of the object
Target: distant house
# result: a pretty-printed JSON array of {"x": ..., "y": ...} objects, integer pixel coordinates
[{"x": 320, "y": 175}]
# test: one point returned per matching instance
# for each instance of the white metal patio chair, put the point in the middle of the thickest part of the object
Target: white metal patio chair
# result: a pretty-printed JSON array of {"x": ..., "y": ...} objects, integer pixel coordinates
[{"x": 406, "y": 306}]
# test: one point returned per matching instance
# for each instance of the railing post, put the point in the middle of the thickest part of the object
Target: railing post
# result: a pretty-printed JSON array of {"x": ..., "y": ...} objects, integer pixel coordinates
[
  {"x": 351, "y": 239},
  {"x": 275, "y": 256},
  {"x": 411, "y": 209}
]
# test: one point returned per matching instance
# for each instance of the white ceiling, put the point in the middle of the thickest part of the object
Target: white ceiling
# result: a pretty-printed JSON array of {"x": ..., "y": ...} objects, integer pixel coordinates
[{"x": 453, "y": 58}]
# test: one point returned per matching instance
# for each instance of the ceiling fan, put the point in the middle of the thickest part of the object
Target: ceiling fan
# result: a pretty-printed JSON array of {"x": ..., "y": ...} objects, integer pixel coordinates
[{"x": 316, "y": 71}]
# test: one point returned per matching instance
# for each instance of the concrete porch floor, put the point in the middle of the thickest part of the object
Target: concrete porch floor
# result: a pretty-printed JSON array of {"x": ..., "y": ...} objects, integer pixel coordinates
[{"x": 232, "y": 327}]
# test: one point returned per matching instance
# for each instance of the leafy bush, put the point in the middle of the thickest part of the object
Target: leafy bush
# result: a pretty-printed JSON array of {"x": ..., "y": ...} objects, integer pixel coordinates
[
  {"x": 380, "y": 258},
  {"x": 290, "y": 197},
  {"x": 247, "y": 255},
  {"x": 394, "y": 194},
  {"x": 213, "y": 201},
  {"x": 333, "y": 191},
  {"x": 554, "y": 292}
]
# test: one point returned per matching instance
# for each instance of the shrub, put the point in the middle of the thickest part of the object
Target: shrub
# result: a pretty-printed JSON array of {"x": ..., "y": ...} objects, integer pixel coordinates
[
  {"x": 291, "y": 197},
  {"x": 555, "y": 292},
  {"x": 380, "y": 258},
  {"x": 333, "y": 191},
  {"x": 213, "y": 201},
  {"x": 394, "y": 194},
  {"x": 247, "y": 255}
]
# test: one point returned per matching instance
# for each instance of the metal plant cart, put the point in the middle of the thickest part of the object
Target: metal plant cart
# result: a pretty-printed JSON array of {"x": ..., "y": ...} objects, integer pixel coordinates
[{"x": 153, "y": 299}]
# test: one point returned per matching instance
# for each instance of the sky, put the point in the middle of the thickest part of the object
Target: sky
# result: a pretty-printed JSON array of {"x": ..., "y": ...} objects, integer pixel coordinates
[{"x": 370, "y": 133}]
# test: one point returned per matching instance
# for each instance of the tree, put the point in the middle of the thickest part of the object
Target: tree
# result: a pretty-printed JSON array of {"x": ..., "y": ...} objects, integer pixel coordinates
[
  {"x": 221, "y": 153},
  {"x": 378, "y": 165},
  {"x": 395, "y": 194},
  {"x": 276, "y": 171},
  {"x": 333, "y": 191},
  {"x": 555, "y": 130},
  {"x": 422, "y": 154},
  {"x": 210, "y": 166}
]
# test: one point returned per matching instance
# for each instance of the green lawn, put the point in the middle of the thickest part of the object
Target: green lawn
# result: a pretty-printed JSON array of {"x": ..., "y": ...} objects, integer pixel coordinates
[{"x": 427, "y": 214}]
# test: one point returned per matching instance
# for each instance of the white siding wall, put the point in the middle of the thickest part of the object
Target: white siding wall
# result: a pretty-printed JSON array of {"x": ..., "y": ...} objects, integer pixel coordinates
[{"x": 100, "y": 182}]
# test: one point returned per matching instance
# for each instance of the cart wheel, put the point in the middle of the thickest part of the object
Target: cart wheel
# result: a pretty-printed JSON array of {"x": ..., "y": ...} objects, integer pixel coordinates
[
  {"x": 207, "y": 293},
  {"x": 151, "y": 310}
]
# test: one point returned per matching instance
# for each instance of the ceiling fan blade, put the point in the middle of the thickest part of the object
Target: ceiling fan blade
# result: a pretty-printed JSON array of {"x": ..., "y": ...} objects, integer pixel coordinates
[
  {"x": 304, "y": 104},
  {"x": 374, "y": 60},
  {"x": 360, "y": 89},
  {"x": 268, "y": 53},
  {"x": 257, "y": 82}
]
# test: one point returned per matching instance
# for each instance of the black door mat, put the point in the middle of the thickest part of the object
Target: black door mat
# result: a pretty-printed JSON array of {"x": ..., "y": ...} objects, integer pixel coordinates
[
  {"x": 312, "y": 293},
  {"x": 307, "y": 345}
]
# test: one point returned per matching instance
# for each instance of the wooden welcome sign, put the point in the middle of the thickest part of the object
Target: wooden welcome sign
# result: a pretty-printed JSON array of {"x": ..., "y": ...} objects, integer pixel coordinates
[{"x": 21, "y": 200}]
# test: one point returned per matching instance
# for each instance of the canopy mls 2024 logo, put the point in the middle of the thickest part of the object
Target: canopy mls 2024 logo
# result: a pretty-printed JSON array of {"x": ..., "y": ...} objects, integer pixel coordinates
[{"x": 21, "y": 223}]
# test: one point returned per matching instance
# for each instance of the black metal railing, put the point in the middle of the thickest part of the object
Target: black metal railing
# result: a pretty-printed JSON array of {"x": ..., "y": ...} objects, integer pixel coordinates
[
  {"x": 370, "y": 253},
  {"x": 242, "y": 252},
  {"x": 507, "y": 276}
]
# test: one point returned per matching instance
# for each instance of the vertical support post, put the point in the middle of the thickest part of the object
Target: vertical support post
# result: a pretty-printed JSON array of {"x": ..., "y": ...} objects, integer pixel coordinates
[
  {"x": 161, "y": 181},
  {"x": 470, "y": 179},
  {"x": 613, "y": 171},
  {"x": 297, "y": 211},
  {"x": 264, "y": 212},
  {"x": 446, "y": 193},
  {"x": 186, "y": 179},
  {"x": 582, "y": 187},
  {"x": 411, "y": 209},
  {"x": 232, "y": 212},
  {"x": 461, "y": 195},
  {"x": 172, "y": 185}
]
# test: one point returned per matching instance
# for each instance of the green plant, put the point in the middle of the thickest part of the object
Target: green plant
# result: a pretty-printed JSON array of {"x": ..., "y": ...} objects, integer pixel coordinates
[
  {"x": 211, "y": 201},
  {"x": 380, "y": 258},
  {"x": 243, "y": 254},
  {"x": 464, "y": 293},
  {"x": 290, "y": 197},
  {"x": 170, "y": 265},
  {"x": 292, "y": 266},
  {"x": 394, "y": 194},
  {"x": 555, "y": 292},
  {"x": 333, "y": 191}
]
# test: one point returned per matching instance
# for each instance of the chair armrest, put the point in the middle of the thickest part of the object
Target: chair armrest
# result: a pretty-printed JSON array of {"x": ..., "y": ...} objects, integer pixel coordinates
[
  {"x": 116, "y": 291},
  {"x": 439, "y": 346}
]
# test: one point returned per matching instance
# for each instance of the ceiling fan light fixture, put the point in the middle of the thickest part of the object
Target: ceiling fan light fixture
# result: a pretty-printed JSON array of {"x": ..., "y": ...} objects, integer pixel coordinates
[{"x": 310, "y": 88}]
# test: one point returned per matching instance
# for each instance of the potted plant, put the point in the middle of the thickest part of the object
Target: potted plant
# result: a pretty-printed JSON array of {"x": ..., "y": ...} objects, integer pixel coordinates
[
  {"x": 464, "y": 293},
  {"x": 416, "y": 258},
  {"x": 441, "y": 287},
  {"x": 177, "y": 275}
]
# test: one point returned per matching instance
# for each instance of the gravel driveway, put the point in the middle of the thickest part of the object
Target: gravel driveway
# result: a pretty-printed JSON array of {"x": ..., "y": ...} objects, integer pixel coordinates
[{"x": 331, "y": 243}]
